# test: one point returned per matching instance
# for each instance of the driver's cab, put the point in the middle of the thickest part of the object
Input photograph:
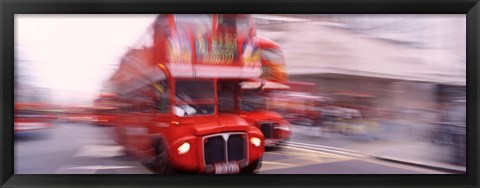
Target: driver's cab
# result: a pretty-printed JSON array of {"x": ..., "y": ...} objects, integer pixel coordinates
[{"x": 194, "y": 97}]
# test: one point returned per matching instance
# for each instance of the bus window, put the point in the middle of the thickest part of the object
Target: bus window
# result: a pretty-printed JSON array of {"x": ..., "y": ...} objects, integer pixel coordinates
[
  {"x": 196, "y": 20},
  {"x": 226, "y": 96},
  {"x": 200, "y": 25},
  {"x": 138, "y": 99},
  {"x": 162, "y": 96},
  {"x": 251, "y": 100},
  {"x": 238, "y": 23},
  {"x": 194, "y": 97}
]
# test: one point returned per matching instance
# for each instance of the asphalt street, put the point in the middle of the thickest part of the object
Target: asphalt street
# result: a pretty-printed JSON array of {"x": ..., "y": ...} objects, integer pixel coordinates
[{"x": 80, "y": 148}]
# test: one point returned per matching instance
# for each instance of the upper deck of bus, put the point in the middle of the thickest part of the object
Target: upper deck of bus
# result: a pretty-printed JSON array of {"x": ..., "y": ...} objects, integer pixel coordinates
[{"x": 192, "y": 46}]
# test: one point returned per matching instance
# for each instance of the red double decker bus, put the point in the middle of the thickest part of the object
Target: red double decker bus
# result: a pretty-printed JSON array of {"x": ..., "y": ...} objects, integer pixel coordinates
[
  {"x": 32, "y": 117},
  {"x": 254, "y": 95},
  {"x": 105, "y": 109},
  {"x": 169, "y": 84}
]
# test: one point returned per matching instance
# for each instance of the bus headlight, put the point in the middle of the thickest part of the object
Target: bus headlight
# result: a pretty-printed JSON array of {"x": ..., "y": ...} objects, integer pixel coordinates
[
  {"x": 255, "y": 141},
  {"x": 184, "y": 148}
]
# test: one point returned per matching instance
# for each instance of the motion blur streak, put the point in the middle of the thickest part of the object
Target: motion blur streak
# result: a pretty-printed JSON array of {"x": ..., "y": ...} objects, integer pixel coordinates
[{"x": 337, "y": 93}]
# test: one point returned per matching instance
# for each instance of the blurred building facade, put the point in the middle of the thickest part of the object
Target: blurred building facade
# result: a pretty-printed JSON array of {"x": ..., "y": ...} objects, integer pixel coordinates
[
  {"x": 405, "y": 63},
  {"x": 26, "y": 89}
]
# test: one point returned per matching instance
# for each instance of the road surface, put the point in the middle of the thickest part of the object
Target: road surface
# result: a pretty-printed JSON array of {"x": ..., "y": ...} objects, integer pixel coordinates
[{"x": 81, "y": 148}]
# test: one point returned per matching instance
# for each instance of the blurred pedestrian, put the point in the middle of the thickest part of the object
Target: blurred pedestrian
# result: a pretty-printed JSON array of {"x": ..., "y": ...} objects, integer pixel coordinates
[{"x": 453, "y": 131}]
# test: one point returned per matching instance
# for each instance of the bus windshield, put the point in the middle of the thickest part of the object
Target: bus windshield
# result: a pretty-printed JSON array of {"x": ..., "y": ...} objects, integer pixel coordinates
[
  {"x": 252, "y": 100},
  {"x": 194, "y": 97}
]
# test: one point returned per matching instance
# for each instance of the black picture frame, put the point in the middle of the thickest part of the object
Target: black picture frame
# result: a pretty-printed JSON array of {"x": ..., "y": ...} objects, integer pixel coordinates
[{"x": 10, "y": 7}]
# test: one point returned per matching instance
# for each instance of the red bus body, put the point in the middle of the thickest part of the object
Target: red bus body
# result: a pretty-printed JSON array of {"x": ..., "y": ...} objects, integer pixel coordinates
[
  {"x": 168, "y": 85},
  {"x": 274, "y": 126},
  {"x": 31, "y": 118},
  {"x": 105, "y": 109},
  {"x": 77, "y": 114}
]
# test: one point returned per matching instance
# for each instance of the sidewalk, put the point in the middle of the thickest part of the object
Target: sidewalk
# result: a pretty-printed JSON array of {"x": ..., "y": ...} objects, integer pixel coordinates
[{"x": 407, "y": 151}]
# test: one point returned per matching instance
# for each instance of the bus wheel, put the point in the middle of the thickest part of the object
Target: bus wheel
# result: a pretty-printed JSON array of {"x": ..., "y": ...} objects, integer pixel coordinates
[
  {"x": 252, "y": 168},
  {"x": 160, "y": 163}
]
